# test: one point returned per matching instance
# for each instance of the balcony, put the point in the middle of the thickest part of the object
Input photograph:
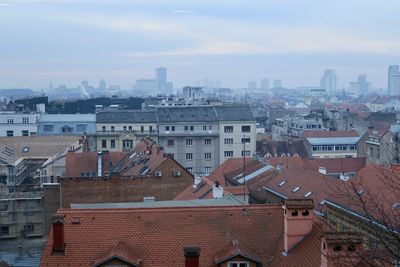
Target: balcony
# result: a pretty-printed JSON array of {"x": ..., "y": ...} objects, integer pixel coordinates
[{"x": 189, "y": 133}]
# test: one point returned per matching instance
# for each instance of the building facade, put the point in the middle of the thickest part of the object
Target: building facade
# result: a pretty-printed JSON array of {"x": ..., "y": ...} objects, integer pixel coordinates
[
  {"x": 18, "y": 124},
  {"x": 67, "y": 124}
]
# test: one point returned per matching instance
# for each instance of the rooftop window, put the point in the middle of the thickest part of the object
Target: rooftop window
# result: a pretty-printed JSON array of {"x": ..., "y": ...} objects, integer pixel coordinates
[
  {"x": 307, "y": 194},
  {"x": 282, "y": 183},
  {"x": 296, "y": 189}
]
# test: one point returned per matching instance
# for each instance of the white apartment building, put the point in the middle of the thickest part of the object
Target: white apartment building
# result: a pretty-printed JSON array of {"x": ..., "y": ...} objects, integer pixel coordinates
[{"x": 18, "y": 124}]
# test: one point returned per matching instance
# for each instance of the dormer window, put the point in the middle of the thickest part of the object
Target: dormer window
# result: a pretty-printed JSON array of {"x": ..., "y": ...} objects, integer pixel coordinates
[
  {"x": 281, "y": 183},
  {"x": 296, "y": 189},
  {"x": 307, "y": 194}
]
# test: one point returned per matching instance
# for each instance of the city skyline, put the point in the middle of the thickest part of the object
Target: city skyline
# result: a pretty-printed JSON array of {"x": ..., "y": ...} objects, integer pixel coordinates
[{"x": 66, "y": 41}]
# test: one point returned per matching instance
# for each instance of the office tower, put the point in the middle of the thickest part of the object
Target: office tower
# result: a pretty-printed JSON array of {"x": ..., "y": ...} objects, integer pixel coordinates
[
  {"x": 264, "y": 84},
  {"x": 277, "y": 83},
  {"x": 161, "y": 75},
  {"x": 102, "y": 85},
  {"x": 329, "y": 80},
  {"x": 252, "y": 85},
  {"x": 393, "y": 70},
  {"x": 396, "y": 84}
]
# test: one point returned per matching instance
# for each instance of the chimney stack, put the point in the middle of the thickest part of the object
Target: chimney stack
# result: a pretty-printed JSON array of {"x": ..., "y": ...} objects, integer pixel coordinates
[
  {"x": 340, "y": 249},
  {"x": 218, "y": 191},
  {"x": 58, "y": 233},
  {"x": 197, "y": 180},
  {"x": 298, "y": 221},
  {"x": 192, "y": 255}
]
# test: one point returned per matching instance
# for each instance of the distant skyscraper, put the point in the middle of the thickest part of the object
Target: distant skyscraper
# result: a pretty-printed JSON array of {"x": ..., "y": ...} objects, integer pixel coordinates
[
  {"x": 252, "y": 85},
  {"x": 393, "y": 70},
  {"x": 329, "y": 81},
  {"x": 361, "y": 86},
  {"x": 102, "y": 85},
  {"x": 396, "y": 84},
  {"x": 264, "y": 84},
  {"x": 161, "y": 75},
  {"x": 277, "y": 83}
]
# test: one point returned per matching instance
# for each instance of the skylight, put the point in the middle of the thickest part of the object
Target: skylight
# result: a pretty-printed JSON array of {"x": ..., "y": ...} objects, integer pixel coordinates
[
  {"x": 296, "y": 189},
  {"x": 26, "y": 149},
  {"x": 282, "y": 183},
  {"x": 307, "y": 194},
  {"x": 396, "y": 205}
]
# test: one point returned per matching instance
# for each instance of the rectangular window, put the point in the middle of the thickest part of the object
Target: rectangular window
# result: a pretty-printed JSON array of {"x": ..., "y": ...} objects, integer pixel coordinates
[
  {"x": 191, "y": 128},
  {"x": 245, "y": 140},
  {"x": 170, "y": 142},
  {"x": 189, "y": 156},
  {"x": 112, "y": 129},
  {"x": 103, "y": 143},
  {"x": 228, "y": 129},
  {"x": 204, "y": 127},
  {"x": 186, "y": 128},
  {"x": 190, "y": 169},
  {"x": 228, "y": 141},
  {"x": 4, "y": 230},
  {"x": 207, "y": 142},
  {"x": 173, "y": 128},
  {"x": 124, "y": 128},
  {"x": 167, "y": 128},
  {"x": 103, "y": 129},
  {"x": 25, "y": 133},
  {"x": 112, "y": 143},
  {"x": 10, "y": 133},
  {"x": 10, "y": 120},
  {"x": 29, "y": 228},
  {"x": 246, "y": 153},
  {"x": 151, "y": 129},
  {"x": 48, "y": 128},
  {"x": 141, "y": 129},
  {"x": 207, "y": 155},
  {"x": 189, "y": 142},
  {"x": 245, "y": 129},
  {"x": 207, "y": 170},
  {"x": 130, "y": 128},
  {"x": 25, "y": 120},
  {"x": 127, "y": 143},
  {"x": 238, "y": 264},
  {"x": 228, "y": 154}
]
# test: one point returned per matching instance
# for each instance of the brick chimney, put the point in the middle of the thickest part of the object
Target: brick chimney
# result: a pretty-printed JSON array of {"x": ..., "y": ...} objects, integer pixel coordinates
[
  {"x": 298, "y": 221},
  {"x": 58, "y": 233},
  {"x": 192, "y": 255},
  {"x": 340, "y": 249}
]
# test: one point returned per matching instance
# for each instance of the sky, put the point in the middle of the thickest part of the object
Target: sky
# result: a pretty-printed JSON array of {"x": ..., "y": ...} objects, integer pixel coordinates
[{"x": 231, "y": 41}]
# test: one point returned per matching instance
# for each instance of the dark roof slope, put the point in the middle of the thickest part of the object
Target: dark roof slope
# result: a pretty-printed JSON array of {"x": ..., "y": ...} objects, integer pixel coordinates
[
  {"x": 234, "y": 113},
  {"x": 192, "y": 114}
]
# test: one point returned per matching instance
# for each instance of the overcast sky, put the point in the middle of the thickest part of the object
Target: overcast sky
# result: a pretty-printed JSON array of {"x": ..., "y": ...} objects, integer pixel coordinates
[{"x": 66, "y": 41}]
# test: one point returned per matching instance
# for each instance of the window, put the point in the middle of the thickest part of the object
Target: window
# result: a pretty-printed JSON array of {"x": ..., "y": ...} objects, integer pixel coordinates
[
  {"x": 66, "y": 129},
  {"x": 10, "y": 120},
  {"x": 228, "y": 129},
  {"x": 4, "y": 230},
  {"x": 81, "y": 127},
  {"x": 204, "y": 127},
  {"x": 48, "y": 128},
  {"x": 103, "y": 143},
  {"x": 167, "y": 128},
  {"x": 141, "y": 129},
  {"x": 29, "y": 228},
  {"x": 207, "y": 170},
  {"x": 112, "y": 129},
  {"x": 103, "y": 129},
  {"x": 191, "y": 128},
  {"x": 296, "y": 189},
  {"x": 245, "y": 140},
  {"x": 25, "y": 133},
  {"x": 246, "y": 129},
  {"x": 127, "y": 143},
  {"x": 10, "y": 133},
  {"x": 112, "y": 143},
  {"x": 124, "y": 128},
  {"x": 189, "y": 156},
  {"x": 186, "y": 128},
  {"x": 207, "y": 142},
  {"x": 170, "y": 142},
  {"x": 228, "y": 154},
  {"x": 130, "y": 128},
  {"x": 25, "y": 120},
  {"x": 228, "y": 141},
  {"x": 207, "y": 155},
  {"x": 245, "y": 153},
  {"x": 151, "y": 129},
  {"x": 189, "y": 142},
  {"x": 190, "y": 169},
  {"x": 370, "y": 152},
  {"x": 238, "y": 264},
  {"x": 173, "y": 128}
]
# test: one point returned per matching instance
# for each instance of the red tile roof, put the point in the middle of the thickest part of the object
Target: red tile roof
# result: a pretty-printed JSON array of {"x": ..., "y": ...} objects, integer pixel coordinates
[
  {"x": 121, "y": 251},
  {"x": 328, "y": 134},
  {"x": 158, "y": 235},
  {"x": 235, "y": 249}
]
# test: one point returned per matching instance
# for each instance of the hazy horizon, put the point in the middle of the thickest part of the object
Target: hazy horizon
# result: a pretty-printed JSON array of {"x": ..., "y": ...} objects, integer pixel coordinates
[{"x": 66, "y": 41}]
